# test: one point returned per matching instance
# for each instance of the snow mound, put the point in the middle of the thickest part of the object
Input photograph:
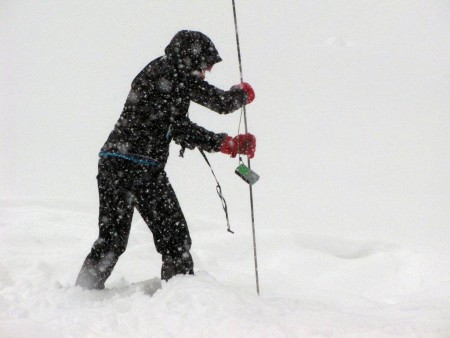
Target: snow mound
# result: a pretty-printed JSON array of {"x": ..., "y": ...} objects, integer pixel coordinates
[{"x": 312, "y": 286}]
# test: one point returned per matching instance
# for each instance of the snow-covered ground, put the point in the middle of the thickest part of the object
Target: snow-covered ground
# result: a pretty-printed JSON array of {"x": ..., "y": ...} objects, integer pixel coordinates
[{"x": 352, "y": 118}]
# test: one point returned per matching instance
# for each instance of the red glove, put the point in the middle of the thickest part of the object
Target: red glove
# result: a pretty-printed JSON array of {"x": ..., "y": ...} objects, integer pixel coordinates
[
  {"x": 244, "y": 144},
  {"x": 248, "y": 89}
]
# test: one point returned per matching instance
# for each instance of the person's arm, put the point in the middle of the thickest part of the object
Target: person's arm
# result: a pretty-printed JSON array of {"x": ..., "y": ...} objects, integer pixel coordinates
[
  {"x": 218, "y": 100},
  {"x": 190, "y": 135}
]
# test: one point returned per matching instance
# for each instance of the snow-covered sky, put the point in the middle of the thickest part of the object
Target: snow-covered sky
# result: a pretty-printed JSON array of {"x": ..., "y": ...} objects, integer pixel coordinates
[{"x": 352, "y": 119}]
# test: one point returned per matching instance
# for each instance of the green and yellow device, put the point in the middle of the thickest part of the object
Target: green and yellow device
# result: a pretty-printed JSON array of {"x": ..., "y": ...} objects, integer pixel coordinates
[{"x": 247, "y": 174}]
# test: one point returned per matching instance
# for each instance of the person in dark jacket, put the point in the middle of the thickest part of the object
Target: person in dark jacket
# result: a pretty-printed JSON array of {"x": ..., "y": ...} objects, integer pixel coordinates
[{"x": 131, "y": 165}]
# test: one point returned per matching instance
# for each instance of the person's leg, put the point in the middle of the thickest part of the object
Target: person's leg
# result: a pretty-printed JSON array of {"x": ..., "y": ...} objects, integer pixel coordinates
[
  {"x": 159, "y": 207},
  {"x": 116, "y": 212}
]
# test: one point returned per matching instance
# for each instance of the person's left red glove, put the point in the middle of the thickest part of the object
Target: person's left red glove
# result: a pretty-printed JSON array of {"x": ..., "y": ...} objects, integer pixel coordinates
[
  {"x": 244, "y": 144},
  {"x": 248, "y": 90}
]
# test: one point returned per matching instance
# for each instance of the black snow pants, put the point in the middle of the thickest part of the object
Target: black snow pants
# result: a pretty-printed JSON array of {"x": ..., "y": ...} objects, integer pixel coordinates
[{"x": 124, "y": 185}]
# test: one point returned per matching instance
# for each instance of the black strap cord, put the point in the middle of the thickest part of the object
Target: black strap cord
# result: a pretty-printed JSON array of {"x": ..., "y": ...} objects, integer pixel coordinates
[{"x": 219, "y": 192}]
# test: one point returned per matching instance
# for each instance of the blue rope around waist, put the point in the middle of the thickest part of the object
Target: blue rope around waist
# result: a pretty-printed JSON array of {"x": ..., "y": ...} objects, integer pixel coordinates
[{"x": 131, "y": 158}]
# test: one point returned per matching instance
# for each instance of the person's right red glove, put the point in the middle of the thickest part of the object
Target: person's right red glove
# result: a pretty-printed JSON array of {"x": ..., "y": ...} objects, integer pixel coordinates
[
  {"x": 248, "y": 89},
  {"x": 244, "y": 144}
]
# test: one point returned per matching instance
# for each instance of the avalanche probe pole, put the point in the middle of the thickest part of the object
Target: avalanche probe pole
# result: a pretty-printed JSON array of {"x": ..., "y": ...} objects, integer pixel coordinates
[{"x": 248, "y": 159}]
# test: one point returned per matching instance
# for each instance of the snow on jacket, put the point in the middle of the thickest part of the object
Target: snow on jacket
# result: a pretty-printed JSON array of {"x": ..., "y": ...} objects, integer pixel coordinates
[{"x": 156, "y": 109}]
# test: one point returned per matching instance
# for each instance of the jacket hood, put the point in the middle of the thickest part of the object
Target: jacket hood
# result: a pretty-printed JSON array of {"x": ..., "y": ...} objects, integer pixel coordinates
[{"x": 192, "y": 51}]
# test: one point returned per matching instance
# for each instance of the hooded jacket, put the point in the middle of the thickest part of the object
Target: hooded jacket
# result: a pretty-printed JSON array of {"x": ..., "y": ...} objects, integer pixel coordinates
[{"x": 156, "y": 110}]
